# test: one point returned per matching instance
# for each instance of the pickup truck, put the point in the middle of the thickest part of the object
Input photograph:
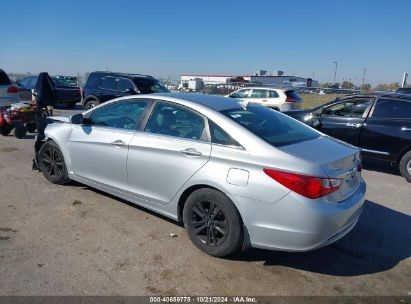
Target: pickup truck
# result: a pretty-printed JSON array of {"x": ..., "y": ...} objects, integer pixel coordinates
[
  {"x": 65, "y": 94},
  {"x": 379, "y": 124}
]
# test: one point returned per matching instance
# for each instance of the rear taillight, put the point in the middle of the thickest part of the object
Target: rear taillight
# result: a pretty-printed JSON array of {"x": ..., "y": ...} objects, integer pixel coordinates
[
  {"x": 307, "y": 186},
  {"x": 12, "y": 90},
  {"x": 290, "y": 99}
]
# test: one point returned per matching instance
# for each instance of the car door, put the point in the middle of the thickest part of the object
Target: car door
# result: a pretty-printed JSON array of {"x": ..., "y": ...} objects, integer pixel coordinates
[
  {"x": 172, "y": 147},
  {"x": 107, "y": 88},
  {"x": 344, "y": 120},
  {"x": 99, "y": 147},
  {"x": 259, "y": 96},
  {"x": 387, "y": 132}
]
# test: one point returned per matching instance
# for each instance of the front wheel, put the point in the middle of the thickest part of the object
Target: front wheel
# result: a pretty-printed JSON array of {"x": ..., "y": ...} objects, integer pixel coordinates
[
  {"x": 91, "y": 104},
  {"x": 405, "y": 166},
  {"x": 51, "y": 163},
  {"x": 212, "y": 222}
]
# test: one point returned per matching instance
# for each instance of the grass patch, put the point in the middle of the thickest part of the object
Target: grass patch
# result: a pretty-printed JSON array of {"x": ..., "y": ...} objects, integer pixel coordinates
[{"x": 312, "y": 100}]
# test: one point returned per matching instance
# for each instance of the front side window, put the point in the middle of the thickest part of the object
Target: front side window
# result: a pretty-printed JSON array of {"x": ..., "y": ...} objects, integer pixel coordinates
[
  {"x": 275, "y": 128},
  {"x": 240, "y": 94},
  {"x": 124, "y": 84},
  {"x": 259, "y": 94},
  {"x": 122, "y": 115},
  {"x": 352, "y": 108},
  {"x": 149, "y": 85},
  {"x": 176, "y": 121},
  {"x": 391, "y": 108},
  {"x": 108, "y": 83}
]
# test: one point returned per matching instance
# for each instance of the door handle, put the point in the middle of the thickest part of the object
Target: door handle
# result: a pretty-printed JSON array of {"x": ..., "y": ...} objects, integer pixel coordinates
[
  {"x": 406, "y": 129},
  {"x": 353, "y": 125},
  {"x": 264, "y": 100},
  {"x": 191, "y": 152},
  {"x": 118, "y": 143}
]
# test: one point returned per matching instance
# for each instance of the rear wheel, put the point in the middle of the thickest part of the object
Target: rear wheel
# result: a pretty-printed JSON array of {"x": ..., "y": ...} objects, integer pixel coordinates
[
  {"x": 212, "y": 222},
  {"x": 51, "y": 163},
  {"x": 19, "y": 131},
  {"x": 5, "y": 129},
  {"x": 91, "y": 104},
  {"x": 405, "y": 166},
  {"x": 31, "y": 127}
]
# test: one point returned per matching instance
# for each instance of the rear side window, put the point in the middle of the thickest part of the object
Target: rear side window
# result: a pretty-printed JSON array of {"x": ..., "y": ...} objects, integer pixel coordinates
[
  {"x": 124, "y": 84},
  {"x": 273, "y": 94},
  {"x": 293, "y": 94},
  {"x": 271, "y": 126},
  {"x": 175, "y": 121},
  {"x": 259, "y": 94},
  {"x": 4, "y": 79},
  {"x": 221, "y": 137},
  {"x": 391, "y": 108},
  {"x": 108, "y": 83}
]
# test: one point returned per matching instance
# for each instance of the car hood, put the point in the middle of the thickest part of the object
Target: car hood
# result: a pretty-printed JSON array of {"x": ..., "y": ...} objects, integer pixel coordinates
[{"x": 333, "y": 156}]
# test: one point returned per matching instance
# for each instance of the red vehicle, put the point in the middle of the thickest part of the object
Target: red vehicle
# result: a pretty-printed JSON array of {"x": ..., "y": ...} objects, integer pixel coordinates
[{"x": 20, "y": 117}]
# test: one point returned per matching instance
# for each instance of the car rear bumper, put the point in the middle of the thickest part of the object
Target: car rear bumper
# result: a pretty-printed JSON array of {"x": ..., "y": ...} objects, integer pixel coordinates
[
  {"x": 287, "y": 106},
  {"x": 295, "y": 223}
]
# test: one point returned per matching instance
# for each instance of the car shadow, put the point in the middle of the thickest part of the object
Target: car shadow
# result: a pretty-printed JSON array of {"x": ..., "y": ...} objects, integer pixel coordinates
[
  {"x": 380, "y": 240},
  {"x": 379, "y": 166}
]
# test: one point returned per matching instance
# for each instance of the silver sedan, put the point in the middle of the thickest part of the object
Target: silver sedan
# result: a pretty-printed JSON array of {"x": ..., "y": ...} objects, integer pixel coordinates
[{"x": 237, "y": 174}]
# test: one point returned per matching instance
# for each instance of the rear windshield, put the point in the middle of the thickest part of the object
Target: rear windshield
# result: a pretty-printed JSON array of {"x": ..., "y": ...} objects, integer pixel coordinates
[
  {"x": 4, "y": 79},
  {"x": 271, "y": 126},
  {"x": 293, "y": 94},
  {"x": 147, "y": 86}
]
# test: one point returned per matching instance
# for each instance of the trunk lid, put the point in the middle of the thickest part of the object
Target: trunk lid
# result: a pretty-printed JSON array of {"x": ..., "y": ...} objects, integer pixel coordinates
[{"x": 337, "y": 159}]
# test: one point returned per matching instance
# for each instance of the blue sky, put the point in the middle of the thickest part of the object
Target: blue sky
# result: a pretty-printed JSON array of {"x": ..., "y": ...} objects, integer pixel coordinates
[{"x": 169, "y": 38}]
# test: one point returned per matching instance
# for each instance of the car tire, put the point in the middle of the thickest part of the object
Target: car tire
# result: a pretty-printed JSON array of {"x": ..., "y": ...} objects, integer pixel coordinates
[
  {"x": 5, "y": 129},
  {"x": 19, "y": 131},
  {"x": 212, "y": 222},
  {"x": 405, "y": 166},
  {"x": 31, "y": 127},
  {"x": 51, "y": 163},
  {"x": 91, "y": 104}
]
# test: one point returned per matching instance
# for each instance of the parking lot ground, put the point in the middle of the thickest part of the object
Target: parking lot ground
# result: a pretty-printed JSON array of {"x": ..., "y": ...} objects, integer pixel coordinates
[{"x": 73, "y": 240}]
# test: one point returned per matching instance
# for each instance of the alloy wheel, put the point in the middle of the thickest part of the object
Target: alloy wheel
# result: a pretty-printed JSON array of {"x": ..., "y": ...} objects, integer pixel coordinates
[
  {"x": 53, "y": 162},
  {"x": 209, "y": 223}
]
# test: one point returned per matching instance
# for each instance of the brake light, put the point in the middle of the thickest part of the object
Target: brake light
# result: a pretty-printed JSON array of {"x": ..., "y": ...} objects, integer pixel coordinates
[
  {"x": 308, "y": 186},
  {"x": 290, "y": 99},
  {"x": 12, "y": 90}
]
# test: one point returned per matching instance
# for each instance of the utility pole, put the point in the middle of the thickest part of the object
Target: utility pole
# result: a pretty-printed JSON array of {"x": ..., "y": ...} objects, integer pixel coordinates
[
  {"x": 335, "y": 72},
  {"x": 363, "y": 76}
]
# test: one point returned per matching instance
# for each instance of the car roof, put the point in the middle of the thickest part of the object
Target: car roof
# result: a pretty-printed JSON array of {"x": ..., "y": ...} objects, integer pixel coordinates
[
  {"x": 215, "y": 102},
  {"x": 266, "y": 88},
  {"x": 118, "y": 74}
]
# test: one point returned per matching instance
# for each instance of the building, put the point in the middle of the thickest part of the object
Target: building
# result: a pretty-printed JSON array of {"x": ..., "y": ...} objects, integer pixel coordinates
[{"x": 265, "y": 80}]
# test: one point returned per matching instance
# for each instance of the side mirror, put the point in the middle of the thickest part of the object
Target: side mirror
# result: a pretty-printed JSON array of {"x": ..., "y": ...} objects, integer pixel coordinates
[
  {"x": 131, "y": 91},
  {"x": 76, "y": 119},
  {"x": 315, "y": 122}
]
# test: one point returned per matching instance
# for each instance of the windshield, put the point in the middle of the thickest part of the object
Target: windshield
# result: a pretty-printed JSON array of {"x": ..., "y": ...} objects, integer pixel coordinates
[
  {"x": 147, "y": 86},
  {"x": 275, "y": 128}
]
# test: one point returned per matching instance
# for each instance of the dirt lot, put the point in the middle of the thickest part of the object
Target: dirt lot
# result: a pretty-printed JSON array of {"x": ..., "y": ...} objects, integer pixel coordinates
[{"x": 73, "y": 240}]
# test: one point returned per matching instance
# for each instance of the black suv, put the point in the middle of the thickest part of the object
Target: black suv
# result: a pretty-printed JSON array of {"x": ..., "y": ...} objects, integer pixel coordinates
[{"x": 103, "y": 86}]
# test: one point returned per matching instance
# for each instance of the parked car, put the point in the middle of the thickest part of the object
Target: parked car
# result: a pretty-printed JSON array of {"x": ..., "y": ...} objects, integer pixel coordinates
[
  {"x": 65, "y": 95},
  {"x": 8, "y": 92},
  {"x": 379, "y": 124},
  {"x": 277, "y": 99},
  {"x": 404, "y": 91},
  {"x": 103, "y": 86},
  {"x": 235, "y": 175}
]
